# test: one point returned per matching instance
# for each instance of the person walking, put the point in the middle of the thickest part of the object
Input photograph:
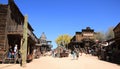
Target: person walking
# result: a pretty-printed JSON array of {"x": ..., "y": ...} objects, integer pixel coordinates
[
  {"x": 73, "y": 54},
  {"x": 77, "y": 54}
]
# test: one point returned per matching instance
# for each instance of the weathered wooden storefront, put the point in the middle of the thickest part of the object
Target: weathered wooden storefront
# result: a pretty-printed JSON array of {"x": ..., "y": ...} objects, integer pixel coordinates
[
  {"x": 83, "y": 40},
  {"x": 11, "y": 29},
  {"x": 43, "y": 45},
  {"x": 111, "y": 52},
  {"x": 117, "y": 35},
  {"x": 116, "y": 48}
]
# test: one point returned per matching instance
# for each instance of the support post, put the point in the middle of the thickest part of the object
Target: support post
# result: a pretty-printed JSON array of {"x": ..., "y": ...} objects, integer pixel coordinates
[{"x": 24, "y": 42}]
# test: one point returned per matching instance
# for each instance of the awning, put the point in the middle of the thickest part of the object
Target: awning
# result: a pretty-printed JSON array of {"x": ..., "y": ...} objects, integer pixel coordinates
[{"x": 113, "y": 39}]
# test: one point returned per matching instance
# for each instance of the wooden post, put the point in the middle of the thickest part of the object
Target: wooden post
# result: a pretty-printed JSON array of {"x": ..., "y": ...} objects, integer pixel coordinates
[{"x": 24, "y": 45}]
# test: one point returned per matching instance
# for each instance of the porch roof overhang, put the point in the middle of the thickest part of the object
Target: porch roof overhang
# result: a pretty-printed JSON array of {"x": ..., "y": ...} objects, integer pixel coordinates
[
  {"x": 113, "y": 39},
  {"x": 75, "y": 42},
  {"x": 39, "y": 45}
]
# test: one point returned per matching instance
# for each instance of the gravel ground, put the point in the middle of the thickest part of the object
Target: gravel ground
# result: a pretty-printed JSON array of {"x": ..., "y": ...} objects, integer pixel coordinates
[{"x": 48, "y": 62}]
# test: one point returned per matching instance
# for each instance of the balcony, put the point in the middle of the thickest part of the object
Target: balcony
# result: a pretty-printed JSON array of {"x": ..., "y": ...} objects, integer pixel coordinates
[
  {"x": 19, "y": 30},
  {"x": 14, "y": 29}
]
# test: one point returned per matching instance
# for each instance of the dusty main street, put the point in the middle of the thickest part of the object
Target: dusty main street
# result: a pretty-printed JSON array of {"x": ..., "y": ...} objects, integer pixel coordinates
[{"x": 48, "y": 62}]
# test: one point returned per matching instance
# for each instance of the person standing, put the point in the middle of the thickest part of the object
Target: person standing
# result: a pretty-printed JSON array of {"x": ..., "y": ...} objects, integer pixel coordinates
[
  {"x": 77, "y": 54},
  {"x": 15, "y": 50},
  {"x": 73, "y": 54},
  {"x": 53, "y": 53},
  {"x": 10, "y": 52}
]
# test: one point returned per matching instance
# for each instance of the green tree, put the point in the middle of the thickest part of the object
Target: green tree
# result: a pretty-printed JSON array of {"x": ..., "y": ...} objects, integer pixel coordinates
[
  {"x": 100, "y": 36},
  {"x": 109, "y": 34},
  {"x": 63, "y": 40}
]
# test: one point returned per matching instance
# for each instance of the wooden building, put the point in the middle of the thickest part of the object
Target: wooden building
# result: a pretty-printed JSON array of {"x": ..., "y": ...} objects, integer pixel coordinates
[
  {"x": 117, "y": 43},
  {"x": 11, "y": 28},
  {"x": 117, "y": 35},
  {"x": 43, "y": 44},
  {"x": 116, "y": 38},
  {"x": 83, "y": 39},
  {"x": 111, "y": 52},
  {"x": 87, "y": 33}
]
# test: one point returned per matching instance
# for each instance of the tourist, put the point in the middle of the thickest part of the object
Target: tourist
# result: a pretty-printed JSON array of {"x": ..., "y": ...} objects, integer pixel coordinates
[
  {"x": 15, "y": 50},
  {"x": 10, "y": 52},
  {"x": 77, "y": 54},
  {"x": 53, "y": 53},
  {"x": 73, "y": 54},
  {"x": 34, "y": 53}
]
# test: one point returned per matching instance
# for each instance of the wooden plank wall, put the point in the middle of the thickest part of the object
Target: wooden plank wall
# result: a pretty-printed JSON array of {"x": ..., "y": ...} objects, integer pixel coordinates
[{"x": 3, "y": 15}]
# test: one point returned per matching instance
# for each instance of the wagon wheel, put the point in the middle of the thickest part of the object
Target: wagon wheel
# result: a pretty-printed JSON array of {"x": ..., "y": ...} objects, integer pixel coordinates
[
  {"x": 3, "y": 59},
  {"x": 16, "y": 58},
  {"x": 19, "y": 57},
  {"x": 19, "y": 60},
  {"x": 99, "y": 57},
  {"x": 4, "y": 56}
]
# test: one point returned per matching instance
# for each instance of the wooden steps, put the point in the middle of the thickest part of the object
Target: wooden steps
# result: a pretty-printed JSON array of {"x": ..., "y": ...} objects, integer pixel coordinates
[{"x": 9, "y": 60}]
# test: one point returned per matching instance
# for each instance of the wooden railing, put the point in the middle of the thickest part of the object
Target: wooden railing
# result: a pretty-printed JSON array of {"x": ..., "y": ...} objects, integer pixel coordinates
[
  {"x": 5, "y": 58},
  {"x": 4, "y": 55}
]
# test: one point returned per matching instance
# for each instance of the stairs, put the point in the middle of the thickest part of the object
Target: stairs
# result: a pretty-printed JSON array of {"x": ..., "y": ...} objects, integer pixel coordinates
[{"x": 7, "y": 60}]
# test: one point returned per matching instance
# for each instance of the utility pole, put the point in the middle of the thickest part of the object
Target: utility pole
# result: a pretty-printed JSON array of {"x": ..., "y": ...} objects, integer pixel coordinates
[{"x": 24, "y": 42}]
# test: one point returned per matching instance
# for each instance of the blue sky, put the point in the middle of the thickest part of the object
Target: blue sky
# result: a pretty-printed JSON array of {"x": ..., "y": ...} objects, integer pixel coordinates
[{"x": 56, "y": 17}]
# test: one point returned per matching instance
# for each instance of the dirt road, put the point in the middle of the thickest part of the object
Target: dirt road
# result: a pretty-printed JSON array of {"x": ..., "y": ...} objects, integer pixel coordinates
[{"x": 84, "y": 62}]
